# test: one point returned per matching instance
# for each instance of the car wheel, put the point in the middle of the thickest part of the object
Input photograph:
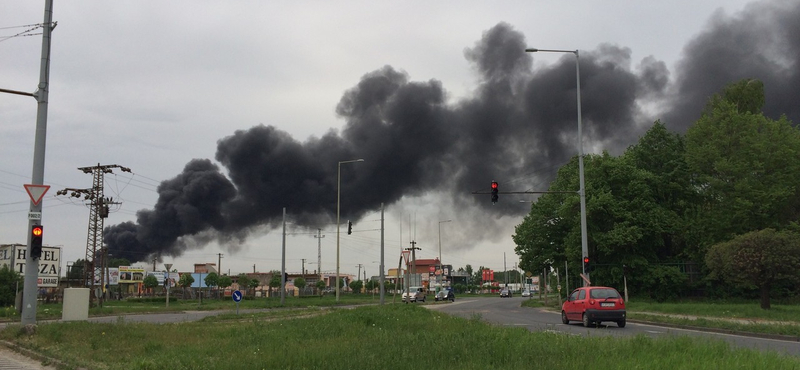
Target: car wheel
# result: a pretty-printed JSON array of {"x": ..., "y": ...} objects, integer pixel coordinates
[
  {"x": 586, "y": 322},
  {"x": 564, "y": 318},
  {"x": 621, "y": 323}
]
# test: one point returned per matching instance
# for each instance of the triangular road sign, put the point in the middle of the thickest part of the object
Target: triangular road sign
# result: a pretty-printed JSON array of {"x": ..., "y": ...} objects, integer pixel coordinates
[{"x": 36, "y": 192}]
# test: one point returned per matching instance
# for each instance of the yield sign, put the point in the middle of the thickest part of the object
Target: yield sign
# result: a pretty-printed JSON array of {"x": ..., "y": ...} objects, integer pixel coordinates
[
  {"x": 405, "y": 255},
  {"x": 36, "y": 192}
]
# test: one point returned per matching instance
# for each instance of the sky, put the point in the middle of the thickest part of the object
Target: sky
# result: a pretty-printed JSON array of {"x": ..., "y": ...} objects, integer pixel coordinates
[{"x": 227, "y": 112}]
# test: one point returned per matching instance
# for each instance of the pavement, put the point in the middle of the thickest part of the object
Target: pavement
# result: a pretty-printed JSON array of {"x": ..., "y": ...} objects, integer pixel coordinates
[{"x": 23, "y": 360}]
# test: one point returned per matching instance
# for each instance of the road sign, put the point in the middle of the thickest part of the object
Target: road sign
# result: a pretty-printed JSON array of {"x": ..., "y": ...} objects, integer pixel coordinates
[
  {"x": 36, "y": 192},
  {"x": 237, "y": 296},
  {"x": 34, "y": 215}
]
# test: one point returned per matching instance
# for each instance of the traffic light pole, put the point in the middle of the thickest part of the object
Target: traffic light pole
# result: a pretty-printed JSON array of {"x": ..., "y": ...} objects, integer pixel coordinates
[{"x": 37, "y": 178}]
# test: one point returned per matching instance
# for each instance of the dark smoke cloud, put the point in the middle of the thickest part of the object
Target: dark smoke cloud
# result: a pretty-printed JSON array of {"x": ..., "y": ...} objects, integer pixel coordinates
[
  {"x": 761, "y": 42},
  {"x": 518, "y": 127}
]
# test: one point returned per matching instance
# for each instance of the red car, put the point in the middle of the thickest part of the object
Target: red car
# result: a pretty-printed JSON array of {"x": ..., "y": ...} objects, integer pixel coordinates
[{"x": 593, "y": 305}]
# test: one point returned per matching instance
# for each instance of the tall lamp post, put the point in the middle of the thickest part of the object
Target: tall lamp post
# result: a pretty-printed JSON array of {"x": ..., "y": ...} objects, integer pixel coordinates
[
  {"x": 338, "y": 205},
  {"x": 582, "y": 190},
  {"x": 440, "y": 239}
]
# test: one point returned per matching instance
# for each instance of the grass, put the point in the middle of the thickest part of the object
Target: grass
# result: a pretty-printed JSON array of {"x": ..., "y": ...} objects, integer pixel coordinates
[
  {"x": 369, "y": 337},
  {"x": 52, "y": 311},
  {"x": 737, "y": 310}
]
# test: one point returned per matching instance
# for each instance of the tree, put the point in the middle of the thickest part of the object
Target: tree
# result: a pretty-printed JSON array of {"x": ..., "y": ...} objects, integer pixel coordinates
[
  {"x": 275, "y": 281},
  {"x": 370, "y": 285},
  {"x": 745, "y": 166},
  {"x": 244, "y": 281},
  {"x": 225, "y": 281},
  {"x": 320, "y": 286},
  {"x": 75, "y": 272},
  {"x": 8, "y": 283},
  {"x": 254, "y": 283},
  {"x": 757, "y": 259},
  {"x": 212, "y": 280},
  {"x": 150, "y": 282},
  {"x": 356, "y": 286},
  {"x": 300, "y": 283},
  {"x": 185, "y": 281}
]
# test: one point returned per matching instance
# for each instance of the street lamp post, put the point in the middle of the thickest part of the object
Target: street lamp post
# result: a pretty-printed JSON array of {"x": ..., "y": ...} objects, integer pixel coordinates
[
  {"x": 440, "y": 239},
  {"x": 582, "y": 190},
  {"x": 338, "y": 205}
]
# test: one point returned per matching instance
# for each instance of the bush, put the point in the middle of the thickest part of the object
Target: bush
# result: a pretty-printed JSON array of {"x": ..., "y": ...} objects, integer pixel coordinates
[{"x": 664, "y": 282}]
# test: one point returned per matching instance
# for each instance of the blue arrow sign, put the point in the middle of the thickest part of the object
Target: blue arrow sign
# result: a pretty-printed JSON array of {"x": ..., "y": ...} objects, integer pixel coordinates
[{"x": 237, "y": 296}]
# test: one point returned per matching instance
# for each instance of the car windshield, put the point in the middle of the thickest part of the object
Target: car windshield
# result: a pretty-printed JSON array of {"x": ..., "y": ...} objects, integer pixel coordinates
[{"x": 603, "y": 293}]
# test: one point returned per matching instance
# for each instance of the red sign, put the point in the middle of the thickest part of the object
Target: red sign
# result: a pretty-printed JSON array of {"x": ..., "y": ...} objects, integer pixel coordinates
[{"x": 432, "y": 268}]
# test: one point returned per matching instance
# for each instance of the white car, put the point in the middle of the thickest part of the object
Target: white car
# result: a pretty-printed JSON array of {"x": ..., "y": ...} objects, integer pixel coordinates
[
  {"x": 415, "y": 293},
  {"x": 526, "y": 293}
]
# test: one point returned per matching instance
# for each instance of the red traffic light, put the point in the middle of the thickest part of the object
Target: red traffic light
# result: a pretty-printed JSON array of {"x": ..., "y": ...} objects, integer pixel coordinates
[
  {"x": 494, "y": 184},
  {"x": 37, "y": 231},
  {"x": 585, "y": 259}
]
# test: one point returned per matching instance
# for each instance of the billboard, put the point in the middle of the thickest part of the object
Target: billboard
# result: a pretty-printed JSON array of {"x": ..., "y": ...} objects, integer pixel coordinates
[
  {"x": 131, "y": 274},
  {"x": 14, "y": 255}
]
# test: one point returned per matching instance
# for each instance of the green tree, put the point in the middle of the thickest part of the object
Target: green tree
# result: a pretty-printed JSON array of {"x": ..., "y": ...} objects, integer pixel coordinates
[
  {"x": 300, "y": 283},
  {"x": 275, "y": 280},
  {"x": 356, "y": 286},
  {"x": 212, "y": 280},
  {"x": 244, "y": 281},
  {"x": 759, "y": 259},
  {"x": 254, "y": 283},
  {"x": 150, "y": 282},
  {"x": 186, "y": 280},
  {"x": 8, "y": 283},
  {"x": 320, "y": 286},
  {"x": 225, "y": 281},
  {"x": 745, "y": 166},
  {"x": 370, "y": 285}
]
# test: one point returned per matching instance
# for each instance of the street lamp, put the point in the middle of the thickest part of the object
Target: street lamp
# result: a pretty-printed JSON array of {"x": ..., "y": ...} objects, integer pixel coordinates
[
  {"x": 338, "y": 204},
  {"x": 582, "y": 190},
  {"x": 440, "y": 239}
]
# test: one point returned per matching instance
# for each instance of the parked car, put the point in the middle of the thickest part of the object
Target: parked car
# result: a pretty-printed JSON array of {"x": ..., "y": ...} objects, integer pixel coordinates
[
  {"x": 415, "y": 294},
  {"x": 593, "y": 305},
  {"x": 445, "y": 295},
  {"x": 505, "y": 293},
  {"x": 526, "y": 293}
]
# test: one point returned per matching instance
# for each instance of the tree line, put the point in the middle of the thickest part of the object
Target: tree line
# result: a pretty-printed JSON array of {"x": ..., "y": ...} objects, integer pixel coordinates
[{"x": 712, "y": 212}]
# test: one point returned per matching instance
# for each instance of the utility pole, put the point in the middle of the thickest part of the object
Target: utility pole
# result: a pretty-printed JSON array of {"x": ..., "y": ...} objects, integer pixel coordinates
[
  {"x": 37, "y": 177},
  {"x": 219, "y": 263},
  {"x": 98, "y": 211},
  {"x": 283, "y": 261},
  {"x": 319, "y": 237},
  {"x": 359, "y": 270},
  {"x": 382, "y": 275},
  {"x": 254, "y": 268},
  {"x": 303, "y": 268},
  {"x": 413, "y": 250}
]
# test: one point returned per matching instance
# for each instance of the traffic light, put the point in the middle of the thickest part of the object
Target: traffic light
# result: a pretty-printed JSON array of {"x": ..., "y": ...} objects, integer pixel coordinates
[
  {"x": 587, "y": 266},
  {"x": 494, "y": 192},
  {"x": 349, "y": 227},
  {"x": 37, "y": 231}
]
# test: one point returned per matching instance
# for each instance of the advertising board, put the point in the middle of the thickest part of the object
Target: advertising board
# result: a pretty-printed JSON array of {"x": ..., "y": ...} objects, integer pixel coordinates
[
  {"x": 131, "y": 274},
  {"x": 14, "y": 255}
]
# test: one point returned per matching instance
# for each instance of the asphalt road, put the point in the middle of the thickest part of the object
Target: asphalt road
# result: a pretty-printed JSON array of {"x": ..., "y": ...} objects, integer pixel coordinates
[{"x": 507, "y": 311}]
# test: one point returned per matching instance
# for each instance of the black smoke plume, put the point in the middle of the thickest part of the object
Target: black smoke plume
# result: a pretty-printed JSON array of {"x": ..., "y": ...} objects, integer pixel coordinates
[{"x": 518, "y": 127}]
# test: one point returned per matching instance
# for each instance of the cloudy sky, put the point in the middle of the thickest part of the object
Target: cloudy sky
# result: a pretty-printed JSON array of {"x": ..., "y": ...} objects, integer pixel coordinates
[{"x": 226, "y": 112}]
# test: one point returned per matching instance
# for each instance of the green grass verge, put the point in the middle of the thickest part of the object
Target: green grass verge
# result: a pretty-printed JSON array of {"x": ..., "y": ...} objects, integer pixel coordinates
[
  {"x": 51, "y": 311},
  {"x": 780, "y": 320},
  {"x": 371, "y": 337},
  {"x": 777, "y": 329}
]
